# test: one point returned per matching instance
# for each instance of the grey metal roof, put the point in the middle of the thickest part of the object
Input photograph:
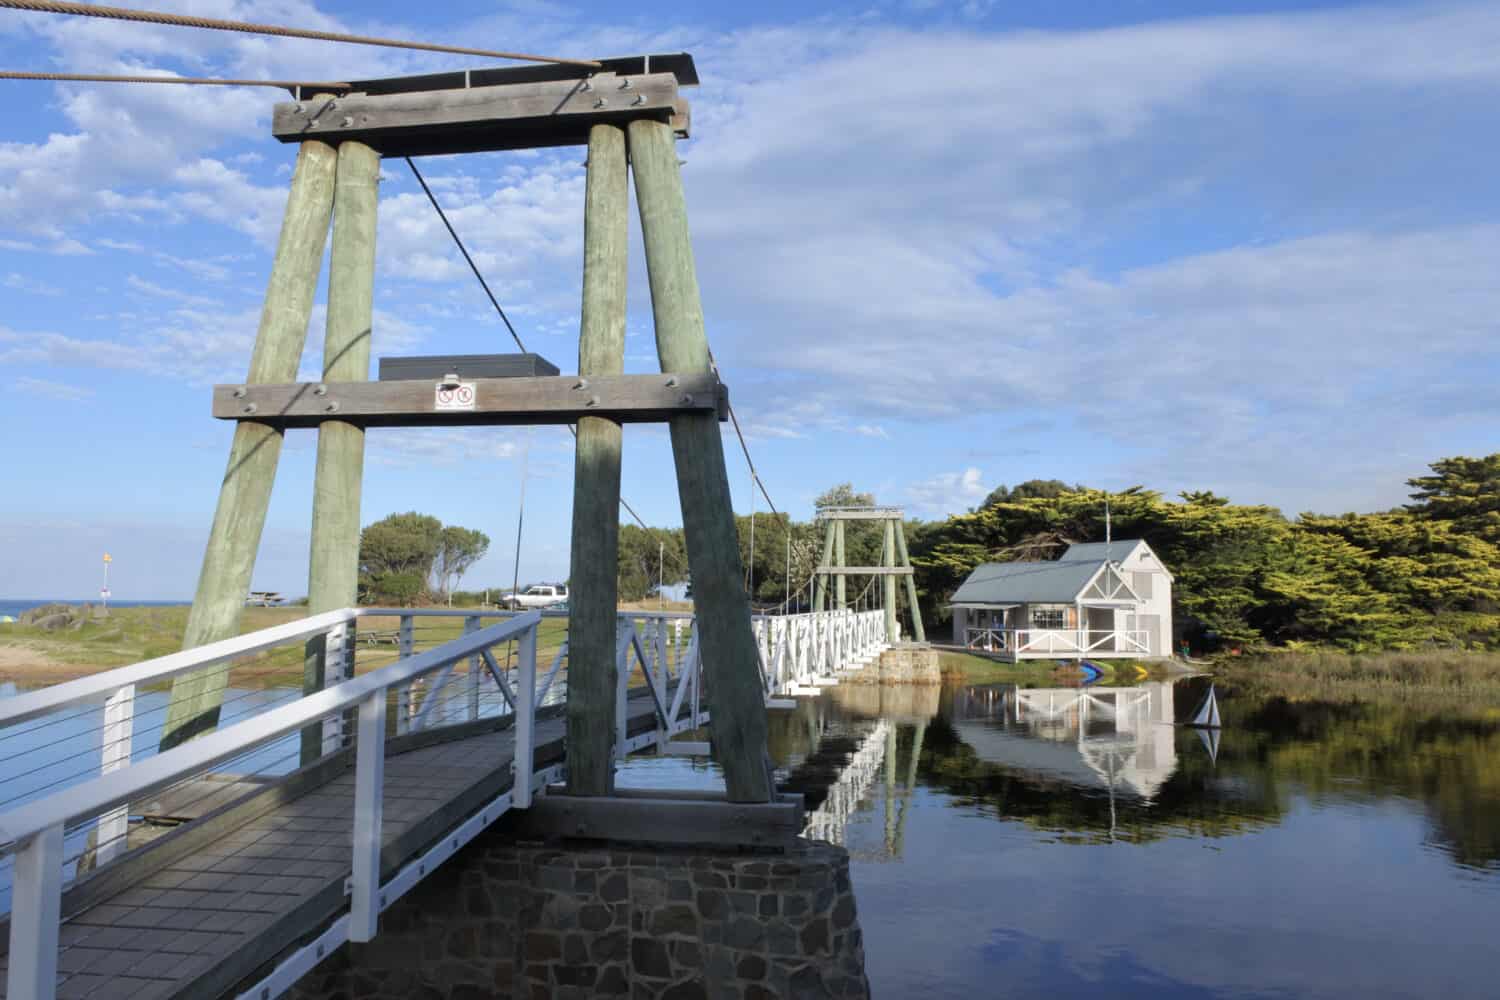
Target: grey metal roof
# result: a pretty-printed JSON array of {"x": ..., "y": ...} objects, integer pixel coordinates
[
  {"x": 1027, "y": 582},
  {"x": 1116, "y": 550}
]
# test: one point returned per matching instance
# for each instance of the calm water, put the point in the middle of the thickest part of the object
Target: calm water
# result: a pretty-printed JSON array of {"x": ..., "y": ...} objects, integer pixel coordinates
[
  {"x": 1005, "y": 846},
  {"x": 1021, "y": 842}
]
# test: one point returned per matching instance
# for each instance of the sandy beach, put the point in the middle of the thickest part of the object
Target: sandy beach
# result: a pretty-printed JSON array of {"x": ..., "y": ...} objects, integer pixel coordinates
[{"x": 26, "y": 665}]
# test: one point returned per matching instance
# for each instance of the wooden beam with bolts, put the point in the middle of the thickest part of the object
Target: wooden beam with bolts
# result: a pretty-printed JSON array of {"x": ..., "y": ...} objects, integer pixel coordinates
[
  {"x": 551, "y": 399},
  {"x": 484, "y": 119}
]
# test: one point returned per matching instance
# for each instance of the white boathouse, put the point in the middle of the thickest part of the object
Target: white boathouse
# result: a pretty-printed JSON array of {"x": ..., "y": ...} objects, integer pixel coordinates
[{"x": 1100, "y": 599}]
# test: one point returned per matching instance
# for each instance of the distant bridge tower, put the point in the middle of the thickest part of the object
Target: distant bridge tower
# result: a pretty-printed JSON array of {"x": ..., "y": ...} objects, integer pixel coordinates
[{"x": 895, "y": 562}]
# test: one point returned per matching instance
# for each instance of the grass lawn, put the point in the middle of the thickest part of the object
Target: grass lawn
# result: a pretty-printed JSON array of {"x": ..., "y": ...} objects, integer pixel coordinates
[
  {"x": 969, "y": 669},
  {"x": 33, "y": 656}
]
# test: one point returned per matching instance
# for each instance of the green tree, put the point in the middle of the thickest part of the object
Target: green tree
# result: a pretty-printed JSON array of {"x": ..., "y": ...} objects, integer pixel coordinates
[
  {"x": 400, "y": 543},
  {"x": 843, "y": 495},
  {"x": 1031, "y": 489},
  {"x": 643, "y": 554},
  {"x": 458, "y": 549},
  {"x": 1465, "y": 491}
]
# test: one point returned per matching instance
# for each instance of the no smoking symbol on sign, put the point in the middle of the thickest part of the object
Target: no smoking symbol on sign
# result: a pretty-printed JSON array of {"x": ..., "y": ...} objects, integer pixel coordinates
[{"x": 455, "y": 397}]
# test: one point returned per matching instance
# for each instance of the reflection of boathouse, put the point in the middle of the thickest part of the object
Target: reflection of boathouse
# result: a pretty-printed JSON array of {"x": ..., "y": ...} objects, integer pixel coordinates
[{"x": 1119, "y": 739}]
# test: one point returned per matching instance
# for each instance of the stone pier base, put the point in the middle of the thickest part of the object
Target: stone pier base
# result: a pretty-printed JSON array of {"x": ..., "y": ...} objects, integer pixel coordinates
[
  {"x": 508, "y": 919},
  {"x": 904, "y": 663}
]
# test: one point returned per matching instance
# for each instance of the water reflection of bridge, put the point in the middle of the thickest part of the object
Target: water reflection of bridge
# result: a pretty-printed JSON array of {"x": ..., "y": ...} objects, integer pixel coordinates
[{"x": 852, "y": 758}]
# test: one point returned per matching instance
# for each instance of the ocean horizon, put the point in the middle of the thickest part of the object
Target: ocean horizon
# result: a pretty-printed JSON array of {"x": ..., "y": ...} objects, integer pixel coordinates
[{"x": 13, "y": 607}]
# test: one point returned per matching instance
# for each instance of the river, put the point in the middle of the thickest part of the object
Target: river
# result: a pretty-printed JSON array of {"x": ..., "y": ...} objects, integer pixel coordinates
[{"x": 1054, "y": 841}]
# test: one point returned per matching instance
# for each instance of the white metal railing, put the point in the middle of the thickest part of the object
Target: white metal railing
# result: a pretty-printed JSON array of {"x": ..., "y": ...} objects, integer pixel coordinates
[
  {"x": 424, "y": 684},
  {"x": 1047, "y": 641},
  {"x": 800, "y": 651}
]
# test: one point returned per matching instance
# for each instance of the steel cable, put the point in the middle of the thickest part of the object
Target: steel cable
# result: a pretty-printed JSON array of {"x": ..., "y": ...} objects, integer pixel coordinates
[
  {"x": 219, "y": 24},
  {"x": 192, "y": 80}
]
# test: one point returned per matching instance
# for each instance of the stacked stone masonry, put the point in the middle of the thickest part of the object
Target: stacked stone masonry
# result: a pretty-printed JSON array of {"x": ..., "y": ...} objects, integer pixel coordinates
[
  {"x": 905, "y": 663},
  {"x": 507, "y": 919}
]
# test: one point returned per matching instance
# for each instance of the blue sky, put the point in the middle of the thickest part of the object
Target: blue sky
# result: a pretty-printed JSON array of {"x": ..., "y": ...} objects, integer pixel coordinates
[{"x": 1246, "y": 247}]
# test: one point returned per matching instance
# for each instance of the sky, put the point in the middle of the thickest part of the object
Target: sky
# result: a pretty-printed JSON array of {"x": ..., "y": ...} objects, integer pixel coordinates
[{"x": 1246, "y": 247}]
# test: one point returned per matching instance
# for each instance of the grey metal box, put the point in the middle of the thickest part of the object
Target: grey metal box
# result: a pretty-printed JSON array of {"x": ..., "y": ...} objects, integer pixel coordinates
[{"x": 435, "y": 366}]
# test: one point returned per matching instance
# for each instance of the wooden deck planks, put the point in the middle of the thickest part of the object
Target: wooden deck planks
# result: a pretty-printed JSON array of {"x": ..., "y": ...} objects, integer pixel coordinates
[{"x": 211, "y": 918}]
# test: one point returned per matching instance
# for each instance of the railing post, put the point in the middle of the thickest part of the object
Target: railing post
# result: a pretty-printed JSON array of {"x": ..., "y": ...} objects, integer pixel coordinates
[
  {"x": 369, "y": 784},
  {"x": 476, "y": 668},
  {"x": 622, "y": 684},
  {"x": 336, "y": 668},
  {"x": 406, "y": 640},
  {"x": 119, "y": 721},
  {"x": 407, "y": 636},
  {"x": 525, "y": 729},
  {"x": 36, "y": 898}
]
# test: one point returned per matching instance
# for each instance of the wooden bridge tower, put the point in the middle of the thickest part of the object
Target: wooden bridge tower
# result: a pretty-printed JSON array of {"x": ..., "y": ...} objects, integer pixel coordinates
[
  {"x": 895, "y": 562},
  {"x": 629, "y": 112}
]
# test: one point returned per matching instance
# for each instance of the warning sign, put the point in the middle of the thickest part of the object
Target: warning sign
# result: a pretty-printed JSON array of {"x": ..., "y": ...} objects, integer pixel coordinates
[{"x": 455, "y": 396}]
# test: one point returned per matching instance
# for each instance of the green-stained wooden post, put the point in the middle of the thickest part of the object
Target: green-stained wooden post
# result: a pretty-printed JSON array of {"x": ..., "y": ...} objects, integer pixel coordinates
[
  {"x": 917, "y": 631},
  {"x": 333, "y": 564},
  {"x": 229, "y": 559},
  {"x": 592, "y": 604},
  {"x": 723, "y": 607},
  {"x": 840, "y": 589},
  {"x": 888, "y": 582},
  {"x": 820, "y": 587}
]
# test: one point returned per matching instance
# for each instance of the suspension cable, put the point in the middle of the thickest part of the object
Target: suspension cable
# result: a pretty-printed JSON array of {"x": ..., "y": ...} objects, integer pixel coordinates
[
  {"x": 463, "y": 250},
  {"x": 458, "y": 240},
  {"x": 190, "y": 80},
  {"x": 219, "y": 24}
]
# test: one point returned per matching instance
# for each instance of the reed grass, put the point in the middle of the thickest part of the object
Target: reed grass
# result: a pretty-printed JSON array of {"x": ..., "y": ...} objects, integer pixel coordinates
[{"x": 1469, "y": 680}]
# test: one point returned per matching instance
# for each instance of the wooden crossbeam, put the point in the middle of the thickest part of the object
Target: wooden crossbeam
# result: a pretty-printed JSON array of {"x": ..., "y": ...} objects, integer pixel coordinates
[
  {"x": 858, "y": 514},
  {"x": 866, "y": 570},
  {"x": 484, "y": 118},
  {"x": 475, "y": 402}
]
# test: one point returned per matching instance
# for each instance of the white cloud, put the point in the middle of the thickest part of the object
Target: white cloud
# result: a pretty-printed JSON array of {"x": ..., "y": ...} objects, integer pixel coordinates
[
  {"x": 947, "y": 493},
  {"x": 51, "y": 390},
  {"x": 1200, "y": 242},
  {"x": 22, "y": 283},
  {"x": 441, "y": 447}
]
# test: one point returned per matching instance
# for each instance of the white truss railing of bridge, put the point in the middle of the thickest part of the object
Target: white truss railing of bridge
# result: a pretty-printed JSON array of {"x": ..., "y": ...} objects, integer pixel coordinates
[
  {"x": 75, "y": 809},
  {"x": 801, "y": 652}
]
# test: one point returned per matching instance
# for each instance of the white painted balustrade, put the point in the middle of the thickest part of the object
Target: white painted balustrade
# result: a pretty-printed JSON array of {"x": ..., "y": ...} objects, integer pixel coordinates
[
  {"x": 800, "y": 652},
  {"x": 1022, "y": 642}
]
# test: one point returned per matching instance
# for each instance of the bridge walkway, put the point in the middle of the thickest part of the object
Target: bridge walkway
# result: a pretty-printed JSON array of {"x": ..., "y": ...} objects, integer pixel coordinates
[
  {"x": 271, "y": 872},
  {"x": 209, "y": 915}
]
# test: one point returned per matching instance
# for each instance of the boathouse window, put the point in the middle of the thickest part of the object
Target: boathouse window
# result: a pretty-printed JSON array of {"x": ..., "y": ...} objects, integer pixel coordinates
[{"x": 1048, "y": 618}]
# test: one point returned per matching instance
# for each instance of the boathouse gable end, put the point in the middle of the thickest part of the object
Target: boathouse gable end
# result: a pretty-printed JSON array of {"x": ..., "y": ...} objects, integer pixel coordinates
[{"x": 1099, "y": 599}]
